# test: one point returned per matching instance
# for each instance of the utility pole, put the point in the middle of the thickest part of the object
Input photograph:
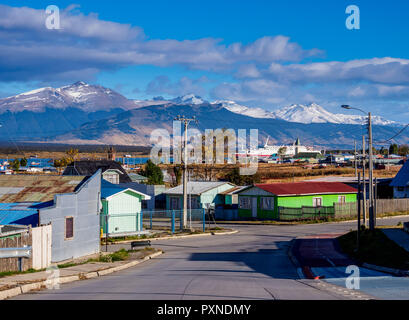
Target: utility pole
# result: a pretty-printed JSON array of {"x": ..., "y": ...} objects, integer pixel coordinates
[
  {"x": 363, "y": 180},
  {"x": 355, "y": 163},
  {"x": 186, "y": 122},
  {"x": 371, "y": 211},
  {"x": 359, "y": 212}
]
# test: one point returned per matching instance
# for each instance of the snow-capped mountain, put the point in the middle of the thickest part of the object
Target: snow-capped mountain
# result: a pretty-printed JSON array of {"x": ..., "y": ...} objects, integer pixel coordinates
[
  {"x": 312, "y": 113},
  {"x": 188, "y": 99},
  {"x": 87, "y": 97},
  {"x": 247, "y": 111}
]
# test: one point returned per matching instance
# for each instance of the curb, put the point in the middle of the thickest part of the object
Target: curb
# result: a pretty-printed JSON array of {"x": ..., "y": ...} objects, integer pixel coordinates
[
  {"x": 296, "y": 224},
  {"x": 178, "y": 237},
  {"x": 20, "y": 289},
  {"x": 294, "y": 260},
  {"x": 396, "y": 272}
]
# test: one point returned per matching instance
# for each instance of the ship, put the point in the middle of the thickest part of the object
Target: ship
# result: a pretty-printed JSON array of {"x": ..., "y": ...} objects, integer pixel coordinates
[{"x": 278, "y": 150}]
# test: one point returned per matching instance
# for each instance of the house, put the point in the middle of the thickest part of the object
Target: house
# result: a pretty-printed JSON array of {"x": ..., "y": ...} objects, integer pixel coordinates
[
  {"x": 201, "y": 195},
  {"x": 263, "y": 200},
  {"x": 228, "y": 210},
  {"x": 71, "y": 204},
  {"x": 400, "y": 183},
  {"x": 157, "y": 198},
  {"x": 121, "y": 209},
  {"x": 112, "y": 171},
  {"x": 135, "y": 177}
]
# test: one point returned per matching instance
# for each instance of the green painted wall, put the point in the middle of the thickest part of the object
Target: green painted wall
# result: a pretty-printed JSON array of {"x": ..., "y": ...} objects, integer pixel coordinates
[
  {"x": 123, "y": 210},
  {"x": 292, "y": 202}
]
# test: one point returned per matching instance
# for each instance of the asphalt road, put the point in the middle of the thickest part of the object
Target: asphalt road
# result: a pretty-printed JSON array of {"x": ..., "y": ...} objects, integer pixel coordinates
[{"x": 251, "y": 264}]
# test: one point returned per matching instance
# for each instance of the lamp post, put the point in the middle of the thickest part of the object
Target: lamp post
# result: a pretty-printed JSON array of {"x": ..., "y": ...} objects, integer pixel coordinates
[{"x": 371, "y": 193}]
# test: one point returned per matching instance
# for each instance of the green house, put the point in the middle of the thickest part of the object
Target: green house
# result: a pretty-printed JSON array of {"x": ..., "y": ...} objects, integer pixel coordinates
[
  {"x": 263, "y": 200},
  {"x": 121, "y": 209}
]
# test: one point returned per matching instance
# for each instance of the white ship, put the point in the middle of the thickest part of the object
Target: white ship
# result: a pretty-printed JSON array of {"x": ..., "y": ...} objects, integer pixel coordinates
[{"x": 279, "y": 150}]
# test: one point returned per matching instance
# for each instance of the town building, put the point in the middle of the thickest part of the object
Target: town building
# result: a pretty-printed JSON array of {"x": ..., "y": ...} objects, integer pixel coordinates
[
  {"x": 263, "y": 200},
  {"x": 400, "y": 183},
  {"x": 201, "y": 195}
]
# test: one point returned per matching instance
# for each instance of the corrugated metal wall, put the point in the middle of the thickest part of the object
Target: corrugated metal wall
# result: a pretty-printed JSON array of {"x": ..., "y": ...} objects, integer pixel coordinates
[{"x": 84, "y": 207}]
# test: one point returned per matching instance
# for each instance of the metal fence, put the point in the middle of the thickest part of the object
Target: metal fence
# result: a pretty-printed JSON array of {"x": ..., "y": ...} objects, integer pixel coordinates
[
  {"x": 173, "y": 219},
  {"x": 126, "y": 224}
]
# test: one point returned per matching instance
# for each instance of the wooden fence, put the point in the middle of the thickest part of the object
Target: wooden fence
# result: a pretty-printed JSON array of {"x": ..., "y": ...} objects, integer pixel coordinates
[
  {"x": 24, "y": 238},
  {"x": 342, "y": 210}
]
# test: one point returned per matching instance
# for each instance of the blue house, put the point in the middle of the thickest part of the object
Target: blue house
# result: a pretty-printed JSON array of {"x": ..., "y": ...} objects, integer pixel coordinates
[{"x": 201, "y": 195}]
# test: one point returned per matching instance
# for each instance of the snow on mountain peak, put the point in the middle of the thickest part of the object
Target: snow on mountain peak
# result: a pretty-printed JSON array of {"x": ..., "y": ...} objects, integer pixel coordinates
[{"x": 188, "y": 99}]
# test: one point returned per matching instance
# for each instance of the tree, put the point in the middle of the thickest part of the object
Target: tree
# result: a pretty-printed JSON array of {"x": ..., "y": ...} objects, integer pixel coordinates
[
  {"x": 393, "y": 148},
  {"x": 71, "y": 154},
  {"x": 15, "y": 164},
  {"x": 23, "y": 162},
  {"x": 177, "y": 170},
  {"x": 403, "y": 150},
  {"x": 153, "y": 173},
  {"x": 282, "y": 151},
  {"x": 235, "y": 177}
]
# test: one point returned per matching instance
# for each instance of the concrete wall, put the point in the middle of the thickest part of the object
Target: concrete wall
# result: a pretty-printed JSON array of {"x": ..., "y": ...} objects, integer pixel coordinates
[{"x": 84, "y": 206}]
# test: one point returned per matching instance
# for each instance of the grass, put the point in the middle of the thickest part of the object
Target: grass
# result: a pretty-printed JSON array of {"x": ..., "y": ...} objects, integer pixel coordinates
[
  {"x": 12, "y": 273},
  {"x": 375, "y": 248}
]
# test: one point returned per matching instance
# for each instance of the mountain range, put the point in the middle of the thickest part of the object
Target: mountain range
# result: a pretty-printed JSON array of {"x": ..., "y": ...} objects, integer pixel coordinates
[{"x": 82, "y": 113}]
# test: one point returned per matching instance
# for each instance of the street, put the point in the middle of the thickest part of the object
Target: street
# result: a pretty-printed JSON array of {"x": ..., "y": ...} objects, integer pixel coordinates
[{"x": 251, "y": 264}]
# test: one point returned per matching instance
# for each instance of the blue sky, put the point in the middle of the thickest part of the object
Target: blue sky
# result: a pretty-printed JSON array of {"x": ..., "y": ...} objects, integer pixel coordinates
[{"x": 258, "y": 53}]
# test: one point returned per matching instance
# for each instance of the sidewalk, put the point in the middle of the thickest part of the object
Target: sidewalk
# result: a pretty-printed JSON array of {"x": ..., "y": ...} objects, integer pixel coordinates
[
  {"x": 21, "y": 283},
  {"x": 399, "y": 236}
]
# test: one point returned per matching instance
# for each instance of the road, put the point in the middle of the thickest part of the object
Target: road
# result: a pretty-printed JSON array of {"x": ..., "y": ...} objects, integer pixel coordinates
[{"x": 251, "y": 264}]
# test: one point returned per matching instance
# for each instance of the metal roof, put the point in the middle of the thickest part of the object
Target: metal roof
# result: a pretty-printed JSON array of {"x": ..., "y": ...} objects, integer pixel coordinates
[
  {"x": 197, "y": 187},
  {"x": 402, "y": 177},
  {"x": 12, "y": 212},
  {"x": 35, "y": 188},
  {"x": 109, "y": 189},
  {"x": 305, "y": 188}
]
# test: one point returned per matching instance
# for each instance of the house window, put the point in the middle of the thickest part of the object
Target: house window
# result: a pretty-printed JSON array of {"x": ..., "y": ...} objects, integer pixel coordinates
[
  {"x": 174, "y": 203},
  {"x": 267, "y": 203},
  {"x": 317, "y": 202},
  {"x": 401, "y": 189},
  {"x": 341, "y": 199},
  {"x": 69, "y": 228},
  {"x": 193, "y": 203},
  {"x": 244, "y": 203}
]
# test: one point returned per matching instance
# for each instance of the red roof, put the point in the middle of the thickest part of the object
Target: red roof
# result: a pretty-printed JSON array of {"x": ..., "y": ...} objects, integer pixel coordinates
[{"x": 299, "y": 188}]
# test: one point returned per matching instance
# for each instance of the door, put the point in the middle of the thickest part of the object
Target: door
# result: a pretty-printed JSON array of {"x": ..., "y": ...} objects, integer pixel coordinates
[{"x": 254, "y": 207}]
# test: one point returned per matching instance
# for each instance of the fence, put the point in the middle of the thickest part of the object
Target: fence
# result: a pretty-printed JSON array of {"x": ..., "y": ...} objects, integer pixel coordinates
[
  {"x": 173, "y": 219},
  {"x": 18, "y": 239},
  {"x": 305, "y": 213},
  {"x": 41, "y": 247},
  {"x": 121, "y": 224}
]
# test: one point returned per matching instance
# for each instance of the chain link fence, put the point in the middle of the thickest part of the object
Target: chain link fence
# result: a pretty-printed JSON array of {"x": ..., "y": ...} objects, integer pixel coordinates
[{"x": 173, "y": 219}]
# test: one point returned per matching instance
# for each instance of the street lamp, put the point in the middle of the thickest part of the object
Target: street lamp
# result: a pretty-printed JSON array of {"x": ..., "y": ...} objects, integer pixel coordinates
[{"x": 371, "y": 194}]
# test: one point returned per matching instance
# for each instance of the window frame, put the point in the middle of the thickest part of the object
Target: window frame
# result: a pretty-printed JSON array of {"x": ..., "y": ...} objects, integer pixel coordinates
[
  {"x": 270, "y": 207},
  {"x": 65, "y": 228},
  {"x": 314, "y": 202},
  {"x": 248, "y": 202}
]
